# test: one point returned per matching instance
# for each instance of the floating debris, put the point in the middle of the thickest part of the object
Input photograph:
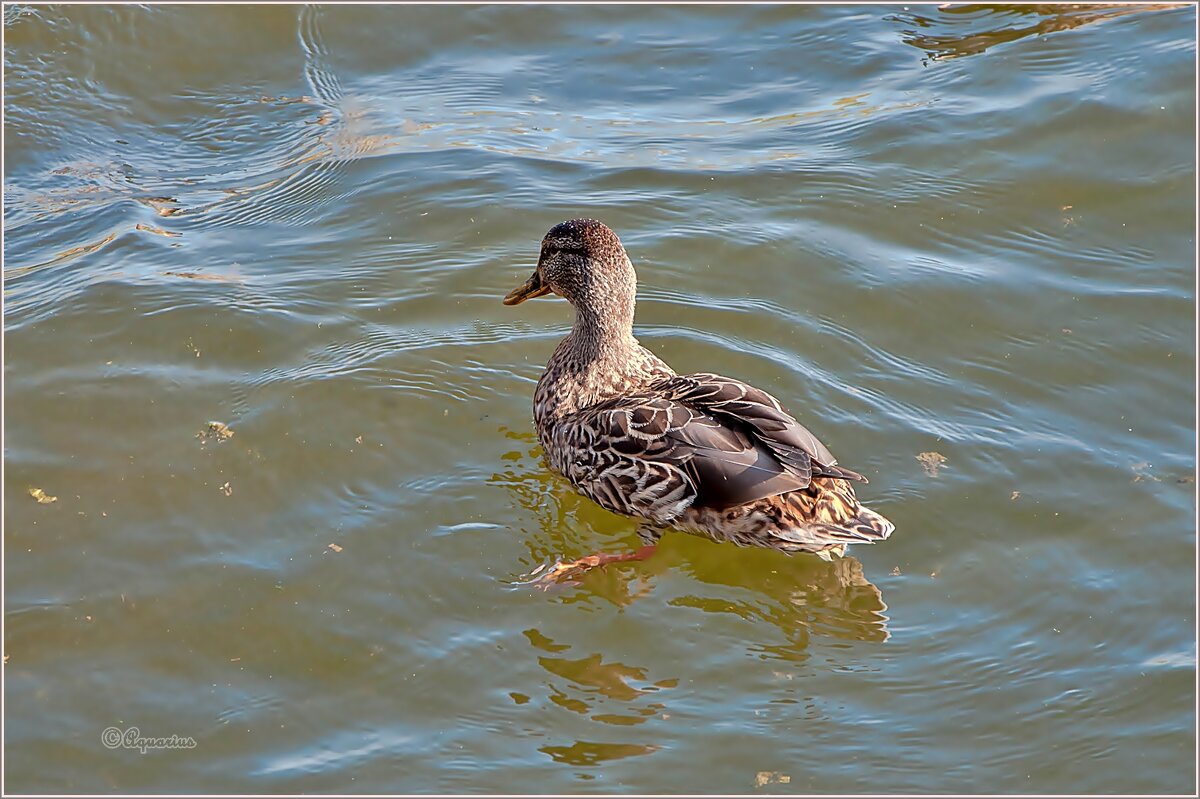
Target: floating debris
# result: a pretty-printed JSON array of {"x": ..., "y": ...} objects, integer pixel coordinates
[
  {"x": 767, "y": 777},
  {"x": 227, "y": 489},
  {"x": 303, "y": 98},
  {"x": 41, "y": 496},
  {"x": 202, "y": 276},
  {"x": 164, "y": 206},
  {"x": 895, "y": 571},
  {"x": 1015, "y": 495},
  {"x": 158, "y": 230},
  {"x": 1141, "y": 471},
  {"x": 335, "y": 548},
  {"x": 931, "y": 462},
  {"x": 215, "y": 431}
]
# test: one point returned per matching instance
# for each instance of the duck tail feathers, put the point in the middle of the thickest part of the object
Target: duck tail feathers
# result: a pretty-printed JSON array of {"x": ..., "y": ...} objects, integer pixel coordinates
[
  {"x": 839, "y": 472},
  {"x": 865, "y": 527}
]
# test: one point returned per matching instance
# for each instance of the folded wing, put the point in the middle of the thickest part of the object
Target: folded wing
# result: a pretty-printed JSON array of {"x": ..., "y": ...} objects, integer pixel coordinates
[
  {"x": 736, "y": 403},
  {"x": 700, "y": 440}
]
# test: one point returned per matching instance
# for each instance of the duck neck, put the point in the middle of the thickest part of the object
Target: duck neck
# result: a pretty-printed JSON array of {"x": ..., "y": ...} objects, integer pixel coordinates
[
  {"x": 598, "y": 359},
  {"x": 602, "y": 336}
]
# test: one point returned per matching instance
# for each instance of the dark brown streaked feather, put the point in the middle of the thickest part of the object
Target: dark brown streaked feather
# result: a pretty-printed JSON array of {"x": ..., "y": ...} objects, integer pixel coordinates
[
  {"x": 736, "y": 402},
  {"x": 726, "y": 465}
]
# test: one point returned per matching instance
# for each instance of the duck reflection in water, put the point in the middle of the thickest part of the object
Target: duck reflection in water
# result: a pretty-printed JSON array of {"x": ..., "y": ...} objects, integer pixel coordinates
[
  {"x": 804, "y": 596},
  {"x": 802, "y": 600},
  {"x": 604, "y": 691}
]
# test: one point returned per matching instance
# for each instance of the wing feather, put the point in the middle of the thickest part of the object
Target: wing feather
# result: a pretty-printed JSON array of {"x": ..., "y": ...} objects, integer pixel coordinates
[
  {"x": 738, "y": 403},
  {"x": 700, "y": 440}
]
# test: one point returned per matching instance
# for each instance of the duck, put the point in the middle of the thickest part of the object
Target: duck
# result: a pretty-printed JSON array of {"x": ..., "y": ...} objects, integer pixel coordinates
[{"x": 700, "y": 453}]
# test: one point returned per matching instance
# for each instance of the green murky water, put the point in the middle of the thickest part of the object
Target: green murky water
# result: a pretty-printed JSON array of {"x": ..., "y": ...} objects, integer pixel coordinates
[{"x": 963, "y": 231}]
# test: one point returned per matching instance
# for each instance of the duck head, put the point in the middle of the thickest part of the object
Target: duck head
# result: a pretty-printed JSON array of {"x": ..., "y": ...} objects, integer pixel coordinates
[{"x": 583, "y": 261}]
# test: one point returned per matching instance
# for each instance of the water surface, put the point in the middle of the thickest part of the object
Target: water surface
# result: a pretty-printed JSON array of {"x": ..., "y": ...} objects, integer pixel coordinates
[{"x": 965, "y": 231}]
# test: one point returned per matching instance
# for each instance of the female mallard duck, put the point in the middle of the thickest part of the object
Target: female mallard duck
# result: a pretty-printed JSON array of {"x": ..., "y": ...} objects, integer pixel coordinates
[{"x": 701, "y": 453}]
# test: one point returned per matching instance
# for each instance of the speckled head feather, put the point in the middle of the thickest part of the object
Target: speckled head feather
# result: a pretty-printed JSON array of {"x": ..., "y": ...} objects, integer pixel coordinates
[{"x": 583, "y": 261}]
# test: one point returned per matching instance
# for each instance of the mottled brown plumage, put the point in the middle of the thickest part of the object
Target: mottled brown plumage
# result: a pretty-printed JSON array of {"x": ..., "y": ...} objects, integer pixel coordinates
[{"x": 701, "y": 453}]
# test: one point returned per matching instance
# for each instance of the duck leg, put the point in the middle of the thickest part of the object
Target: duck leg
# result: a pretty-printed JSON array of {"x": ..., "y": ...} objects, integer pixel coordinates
[{"x": 563, "y": 572}]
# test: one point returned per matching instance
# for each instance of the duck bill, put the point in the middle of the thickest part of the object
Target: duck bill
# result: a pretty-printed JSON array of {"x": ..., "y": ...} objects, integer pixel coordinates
[{"x": 533, "y": 287}]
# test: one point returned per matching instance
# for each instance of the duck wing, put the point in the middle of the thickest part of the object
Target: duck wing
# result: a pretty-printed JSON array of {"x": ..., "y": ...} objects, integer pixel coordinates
[
  {"x": 739, "y": 405},
  {"x": 654, "y": 456}
]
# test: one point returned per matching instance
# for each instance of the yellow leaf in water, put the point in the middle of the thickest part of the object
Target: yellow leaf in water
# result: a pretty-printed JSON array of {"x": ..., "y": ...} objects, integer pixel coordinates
[
  {"x": 335, "y": 547},
  {"x": 931, "y": 462},
  {"x": 41, "y": 496},
  {"x": 215, "y": 431},
  {"x": 766, "y": 777}
]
